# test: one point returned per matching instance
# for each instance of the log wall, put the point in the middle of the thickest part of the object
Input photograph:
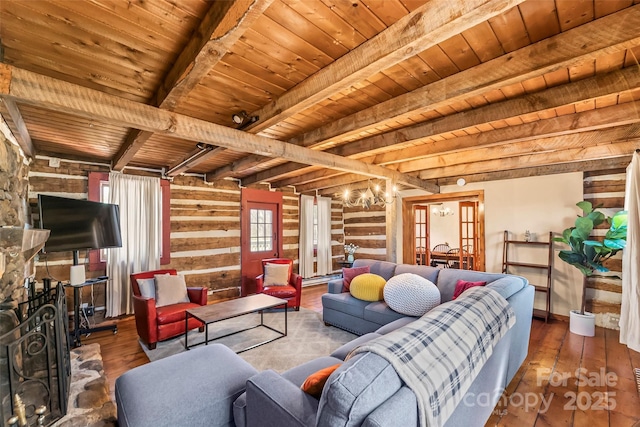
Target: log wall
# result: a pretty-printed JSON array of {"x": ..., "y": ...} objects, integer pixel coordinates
[
  {"x": 68, "y": 179},
  {"x": 205, "y": 227},
  {"x": 604, "y": 294},
  {"x": 366, "y": 228}
]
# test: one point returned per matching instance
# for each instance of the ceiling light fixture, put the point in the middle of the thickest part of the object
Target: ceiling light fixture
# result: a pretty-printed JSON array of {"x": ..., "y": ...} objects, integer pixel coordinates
[
  {"x": 243, "y": 120},
  {"x": 441, "y": 211},
  {"x": 240, "y": 117},
  {"x": 372, "y": 196},
  {"x": 461, "y": 182}
]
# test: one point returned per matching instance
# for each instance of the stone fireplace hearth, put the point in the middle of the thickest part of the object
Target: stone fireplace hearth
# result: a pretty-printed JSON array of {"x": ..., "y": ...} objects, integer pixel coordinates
[{"x": 89, "y": 401}]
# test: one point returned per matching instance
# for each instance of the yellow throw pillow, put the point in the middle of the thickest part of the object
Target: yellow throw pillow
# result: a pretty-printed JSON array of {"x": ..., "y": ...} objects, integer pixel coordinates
[{"x": 368, "y": 287}]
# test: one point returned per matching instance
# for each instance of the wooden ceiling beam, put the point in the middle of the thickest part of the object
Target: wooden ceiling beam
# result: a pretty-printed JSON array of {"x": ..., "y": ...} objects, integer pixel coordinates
[
  {"x": 590, "y": 88},
  {"x": 266, "y": 175},
  {"x": 601, "y": 118},
  {"x": 335, "y": 179},
  {"x": 239, "y": 165},
  {"x": 49, "y": 93},
  {"x": 510, "y": 149},
  {"x": 196, "y": 156},
  {"x": 602, "y": 151},
  {"x": 578, "y": 166},
  {"x": 221, "y": 27},
  {"x": 22, "y": 135},
  {"x": 450, "y": 153},
  {"x": 315, "y": 175},
  {"x": 428, "y": 25},
  {"x": 567, "y": 49},
  {"x": 345, "y": 180},
  {"x": 570, "y": 48}
]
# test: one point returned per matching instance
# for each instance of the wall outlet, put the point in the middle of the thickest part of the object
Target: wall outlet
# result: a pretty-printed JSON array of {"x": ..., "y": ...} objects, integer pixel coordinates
[
  {"x": 614, "y": 321},
  {"x": 84, "y": 305}
]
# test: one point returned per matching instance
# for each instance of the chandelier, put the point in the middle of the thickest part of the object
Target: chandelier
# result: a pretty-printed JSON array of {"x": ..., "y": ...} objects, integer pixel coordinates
[
  {"x": 372, "y": 196},
  {"x": 441, "y": 211}
]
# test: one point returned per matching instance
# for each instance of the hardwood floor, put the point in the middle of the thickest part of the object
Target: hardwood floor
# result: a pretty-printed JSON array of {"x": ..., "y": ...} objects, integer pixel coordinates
[{"x": 566, "y": 380}]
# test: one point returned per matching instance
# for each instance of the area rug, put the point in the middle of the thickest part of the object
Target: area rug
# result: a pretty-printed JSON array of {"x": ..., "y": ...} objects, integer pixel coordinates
[{"x": 307, "y": 338}]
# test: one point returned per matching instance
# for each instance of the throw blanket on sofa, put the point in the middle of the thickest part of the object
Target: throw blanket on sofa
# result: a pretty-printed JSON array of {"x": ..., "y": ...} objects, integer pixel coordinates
[{"x": 439, "y": 355}]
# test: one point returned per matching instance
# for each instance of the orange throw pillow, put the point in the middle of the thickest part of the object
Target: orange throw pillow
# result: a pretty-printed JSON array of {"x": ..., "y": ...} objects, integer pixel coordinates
[{"x": 315, "y": 382}]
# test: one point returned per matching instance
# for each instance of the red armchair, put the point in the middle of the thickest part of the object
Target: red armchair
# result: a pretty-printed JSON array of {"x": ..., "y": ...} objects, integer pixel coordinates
[
  {"x": 160, "y": 323},
  {"x": 292, "y": 292}
]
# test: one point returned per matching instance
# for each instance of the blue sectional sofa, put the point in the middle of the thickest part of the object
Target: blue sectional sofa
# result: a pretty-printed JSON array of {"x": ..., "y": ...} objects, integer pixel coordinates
[
  {"x": 364, "y": 391},
  {"x": 342, "y": 310}
]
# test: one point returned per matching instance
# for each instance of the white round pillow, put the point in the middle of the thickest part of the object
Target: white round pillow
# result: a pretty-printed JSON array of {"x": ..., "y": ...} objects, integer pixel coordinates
[{"x": 410, "y": 294}]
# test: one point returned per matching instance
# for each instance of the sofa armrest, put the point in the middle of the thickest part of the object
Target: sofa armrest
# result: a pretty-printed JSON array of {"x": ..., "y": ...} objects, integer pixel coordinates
[
  {"x": 145, "y": 315},
  {"x": 273, "y": 401},
  {"x": 335, "y": 286},
  {"x": 197, "y": 295},
  {"x": 260, "y": 284},
  {"x": 296, "y": 281}
]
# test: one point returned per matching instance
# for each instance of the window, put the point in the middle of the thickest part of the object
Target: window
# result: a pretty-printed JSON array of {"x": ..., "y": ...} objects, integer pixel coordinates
[
  {"x": 99, "y": 192},
  {"x": 315, "y": 224},
  {"x": 261, "y": 234}
]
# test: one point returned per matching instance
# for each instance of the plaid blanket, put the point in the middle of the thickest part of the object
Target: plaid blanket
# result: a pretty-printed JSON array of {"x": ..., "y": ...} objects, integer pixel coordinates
[{"x": 439, "y": 355}]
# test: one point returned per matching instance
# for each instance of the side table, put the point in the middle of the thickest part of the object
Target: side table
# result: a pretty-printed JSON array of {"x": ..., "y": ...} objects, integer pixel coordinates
[{"x": 346, "y": 264}]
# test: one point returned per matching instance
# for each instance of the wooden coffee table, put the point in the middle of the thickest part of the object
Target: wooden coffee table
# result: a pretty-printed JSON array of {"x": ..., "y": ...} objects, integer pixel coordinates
[{"x": 233, "y": 308}]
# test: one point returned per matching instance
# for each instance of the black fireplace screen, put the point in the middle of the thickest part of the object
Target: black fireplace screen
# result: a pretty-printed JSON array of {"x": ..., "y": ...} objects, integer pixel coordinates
[{"x": 34, "y": 359}]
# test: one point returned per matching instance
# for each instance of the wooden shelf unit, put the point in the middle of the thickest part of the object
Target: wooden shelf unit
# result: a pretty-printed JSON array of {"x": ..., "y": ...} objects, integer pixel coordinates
[{"x": 507, "y": 262}]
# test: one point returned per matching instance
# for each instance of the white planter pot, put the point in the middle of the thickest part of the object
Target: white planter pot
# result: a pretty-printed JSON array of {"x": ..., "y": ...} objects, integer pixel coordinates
[{"x": 582, "y": 324}]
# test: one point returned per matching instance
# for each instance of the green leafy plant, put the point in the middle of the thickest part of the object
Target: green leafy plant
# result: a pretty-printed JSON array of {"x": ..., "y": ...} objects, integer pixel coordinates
[{"x": 588, "y": 255}]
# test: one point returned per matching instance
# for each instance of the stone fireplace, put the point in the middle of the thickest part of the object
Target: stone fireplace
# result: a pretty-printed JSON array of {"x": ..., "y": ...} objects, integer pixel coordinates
[
  {"x": 34, "y": 354},
  {"x": 34, "y": 349}
]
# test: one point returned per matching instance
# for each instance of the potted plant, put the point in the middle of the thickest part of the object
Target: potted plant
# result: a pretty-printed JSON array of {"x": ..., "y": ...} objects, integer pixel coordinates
[{"x": 588, "y": 255}]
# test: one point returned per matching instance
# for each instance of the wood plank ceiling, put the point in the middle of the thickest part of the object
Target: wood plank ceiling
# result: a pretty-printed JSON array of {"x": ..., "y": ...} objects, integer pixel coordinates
[{"x": 433, "y": 90}]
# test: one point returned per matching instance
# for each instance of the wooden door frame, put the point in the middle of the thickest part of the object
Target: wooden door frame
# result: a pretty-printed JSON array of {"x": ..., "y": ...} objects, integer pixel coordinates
[
  {"x": 408, "y": 214},
  {"x": 250, "y": 195}
]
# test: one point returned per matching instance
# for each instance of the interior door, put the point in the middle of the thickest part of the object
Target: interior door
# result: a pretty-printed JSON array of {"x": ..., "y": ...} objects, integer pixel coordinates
[
  {"x": 468, "y": 234},
  {"x": 260, "y": 233},
  {"x": 422, "y": 237}
]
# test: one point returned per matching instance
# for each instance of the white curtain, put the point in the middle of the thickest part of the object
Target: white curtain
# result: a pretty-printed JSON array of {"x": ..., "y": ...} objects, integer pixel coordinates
[
  {"x": 139, "y": 198},
  {"x": 305, "y": 248},
  {"x": 630, "y": 310},
  {"x": 323, "y": 248}
]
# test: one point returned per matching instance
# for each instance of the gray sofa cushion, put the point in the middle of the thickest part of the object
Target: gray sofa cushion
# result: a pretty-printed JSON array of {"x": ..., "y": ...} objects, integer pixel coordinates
[
  {"x": 426, "y": 271},
  {"x": 354, "y": 390},
  {"x": 448, "y": 278},
  {"x": 342, "y": 351},
  {"x": 296, "y": 375},
  {"x": 400, "y": 410},
  {"x": 507, "y": 286},
  {"x": 146, "y": 395},
  {"x": 299, "y": 374},
  {"x": 345, "y": 303},
  {"x": 380, "y": 313},
  {"x": 274, "y": 401},
  {"x": 381, "y": 268},
  {"x": 395, "y": 325}
]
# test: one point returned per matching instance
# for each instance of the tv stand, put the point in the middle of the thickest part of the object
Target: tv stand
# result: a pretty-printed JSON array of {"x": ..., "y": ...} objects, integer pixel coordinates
[{"x": 74, "y": 336}]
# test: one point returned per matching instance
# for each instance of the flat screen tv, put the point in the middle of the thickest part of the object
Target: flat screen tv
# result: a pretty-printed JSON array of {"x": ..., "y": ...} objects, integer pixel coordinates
[{"x": 79, "y": 224}]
